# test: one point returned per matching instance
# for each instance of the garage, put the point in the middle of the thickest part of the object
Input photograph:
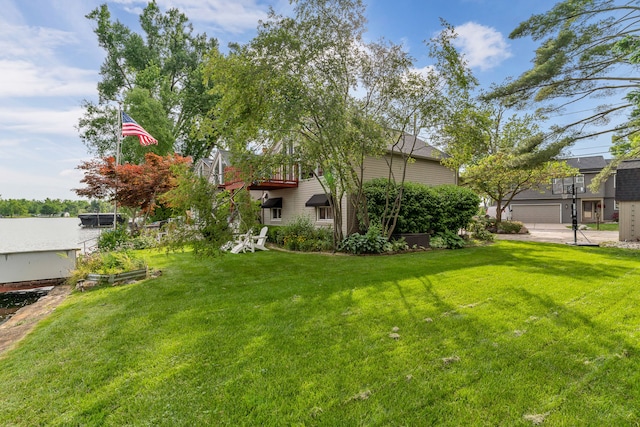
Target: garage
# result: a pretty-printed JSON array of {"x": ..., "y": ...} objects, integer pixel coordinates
[{"x": 541, "y": 214}]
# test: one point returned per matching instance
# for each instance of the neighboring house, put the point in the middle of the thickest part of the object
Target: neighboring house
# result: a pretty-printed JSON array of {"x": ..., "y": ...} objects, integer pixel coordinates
[
  {"x": 545, "y": 207},
  {"x": 628, "y": 198},
  {"x": 213, "y": 168},
  {"x": 286, "y": 194}
]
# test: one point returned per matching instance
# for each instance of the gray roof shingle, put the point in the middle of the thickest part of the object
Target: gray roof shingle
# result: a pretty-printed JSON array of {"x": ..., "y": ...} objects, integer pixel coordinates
[
  {"x": 592, "y": 163},
  {"x": 416, "y": 147}
]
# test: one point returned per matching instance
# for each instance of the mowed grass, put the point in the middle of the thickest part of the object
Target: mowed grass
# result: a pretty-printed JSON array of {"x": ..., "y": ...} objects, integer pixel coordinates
[
  {"x": 515, "y": 333},
  {"x": 609, "y": 226},
  {"x": 605, "y": 226}
]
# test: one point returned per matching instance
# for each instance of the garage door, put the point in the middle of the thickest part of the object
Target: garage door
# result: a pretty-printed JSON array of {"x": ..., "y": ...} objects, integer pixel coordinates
[{"x": 531, "y": 214}]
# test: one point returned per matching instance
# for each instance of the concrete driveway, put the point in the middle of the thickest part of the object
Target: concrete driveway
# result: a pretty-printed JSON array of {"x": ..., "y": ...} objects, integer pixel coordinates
[{"x": 561, "y": 233}]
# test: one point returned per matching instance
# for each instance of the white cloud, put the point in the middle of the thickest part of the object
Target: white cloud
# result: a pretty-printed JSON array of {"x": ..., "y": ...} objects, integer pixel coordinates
[
  {"x": 425, "y": 71},
  {"x": 75, "y": 174},
  {"x": 22, "y": 78},
  {"x": 232, "y": 16},
  {"x": 40, "y": 121},
  {"x": 31, "y": 42},
  {"x": 483, "y": 47},
  {"x": 30, "y": 60}
]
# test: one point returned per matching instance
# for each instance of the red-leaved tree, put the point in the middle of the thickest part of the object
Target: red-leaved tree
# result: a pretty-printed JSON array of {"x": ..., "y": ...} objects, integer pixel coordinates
[{"x": 133, "y": 186}]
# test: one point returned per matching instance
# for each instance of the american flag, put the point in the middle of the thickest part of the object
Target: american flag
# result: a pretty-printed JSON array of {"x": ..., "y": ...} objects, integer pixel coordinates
[{"x": 131, "y": 128}]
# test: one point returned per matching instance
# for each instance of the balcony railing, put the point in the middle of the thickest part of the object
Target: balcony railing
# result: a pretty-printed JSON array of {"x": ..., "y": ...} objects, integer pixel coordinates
[{"x": 283, "y": 177}]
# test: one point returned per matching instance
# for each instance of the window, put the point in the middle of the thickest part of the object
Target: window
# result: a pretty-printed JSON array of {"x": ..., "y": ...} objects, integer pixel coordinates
[
  {"x": 322, "y": 205},
  {"x": 276, "y": 214},
  {"x": 616, "y": 207},
  {"x": 324, "y": 213}
]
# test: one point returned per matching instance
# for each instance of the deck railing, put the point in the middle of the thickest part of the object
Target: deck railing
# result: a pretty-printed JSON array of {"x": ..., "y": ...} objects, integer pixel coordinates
[{"x": 282, "y": 177}]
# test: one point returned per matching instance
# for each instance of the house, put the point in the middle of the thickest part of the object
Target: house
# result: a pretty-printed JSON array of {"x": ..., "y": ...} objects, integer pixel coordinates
[
  {"x": 213, "y": 168},
  {"x": 286, "y": 193},
  {"x": 545, "y": 207},
  {"x": 628, "y": 198}
]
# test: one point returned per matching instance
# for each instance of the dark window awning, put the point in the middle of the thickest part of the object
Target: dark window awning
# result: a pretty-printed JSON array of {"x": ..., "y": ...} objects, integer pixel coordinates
[
  {"x": 318, "y": 200},
  {"x": 275, "y": 202}
]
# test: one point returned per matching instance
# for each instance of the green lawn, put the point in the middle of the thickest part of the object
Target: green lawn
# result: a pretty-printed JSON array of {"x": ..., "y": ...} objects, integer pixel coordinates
[
  {"x": 509, "y": 334},
  {"x": 605, "y": 226},
  {"x": 608, "y": 226}
]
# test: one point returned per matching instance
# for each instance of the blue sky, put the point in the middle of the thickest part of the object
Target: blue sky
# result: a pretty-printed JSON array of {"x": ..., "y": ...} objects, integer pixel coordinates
[{"x": 50, "y": 59}]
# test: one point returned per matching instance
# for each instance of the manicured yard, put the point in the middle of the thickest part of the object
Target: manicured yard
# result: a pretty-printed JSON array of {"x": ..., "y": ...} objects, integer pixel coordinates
[
  {"x": 608, "y": 226},
  {"x": 605, "y": 226},
  {"x": 514, "y": 333}
]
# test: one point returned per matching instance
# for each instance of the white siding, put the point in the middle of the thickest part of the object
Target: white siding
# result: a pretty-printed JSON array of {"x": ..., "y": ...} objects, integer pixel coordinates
[
  {"x": 293, "y": 204},
  {"x": 429, "y": 172}
]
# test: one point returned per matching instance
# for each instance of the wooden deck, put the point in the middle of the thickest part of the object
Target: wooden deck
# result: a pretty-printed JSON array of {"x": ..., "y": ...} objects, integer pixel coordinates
[{"x": 278, "y": 179}]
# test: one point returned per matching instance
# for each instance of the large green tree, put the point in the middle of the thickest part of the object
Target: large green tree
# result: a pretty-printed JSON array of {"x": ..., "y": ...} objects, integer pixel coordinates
[
  {"x": 311, "y": 88},
  {"x": 501, "y": 155},
  {"x": 588, "y": 55},
  {"x": 157, "y": 77},
  {"x": 205, "y": 211}
]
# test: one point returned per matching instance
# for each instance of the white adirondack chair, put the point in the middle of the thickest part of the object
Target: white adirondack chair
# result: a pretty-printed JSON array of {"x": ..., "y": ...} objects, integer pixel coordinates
[
  {"x": 243, "y": 243},
  {"x": 249, "y": 242},
  {"x": 260, "y": 240}
]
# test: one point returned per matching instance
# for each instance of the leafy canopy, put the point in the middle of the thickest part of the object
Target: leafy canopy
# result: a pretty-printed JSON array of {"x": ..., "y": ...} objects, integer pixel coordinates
[
  {"x": 310, "y": 88},
  {"x": 130, "y": 185},
  {"x": 157, "y": 76},
  {"x": 501, "y": 156},
  {"x": 588, "y": 52}
]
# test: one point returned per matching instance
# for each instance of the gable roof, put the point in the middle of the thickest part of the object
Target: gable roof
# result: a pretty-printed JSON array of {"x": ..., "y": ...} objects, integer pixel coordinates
[
  {"x": 207, "y": 161},
  {"x": 416, "y": 147},
  {"x": 586, "y": 164}
]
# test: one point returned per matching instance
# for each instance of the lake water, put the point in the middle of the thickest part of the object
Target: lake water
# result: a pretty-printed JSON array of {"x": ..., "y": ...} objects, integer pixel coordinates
[{"x": 32, "y": 234}]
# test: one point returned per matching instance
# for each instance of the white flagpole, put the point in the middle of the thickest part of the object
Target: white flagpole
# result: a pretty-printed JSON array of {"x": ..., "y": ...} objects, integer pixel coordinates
[{"x": 118, "y": 149}]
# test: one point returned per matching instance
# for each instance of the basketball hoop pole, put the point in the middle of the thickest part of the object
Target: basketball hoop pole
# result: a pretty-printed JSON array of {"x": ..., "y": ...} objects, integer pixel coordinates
[
  {"x": 574, "y": 213},
  {"x": 566, "y": 186}
]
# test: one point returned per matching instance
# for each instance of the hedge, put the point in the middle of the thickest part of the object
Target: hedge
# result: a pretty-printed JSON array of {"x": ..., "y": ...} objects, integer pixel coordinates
[{"x": 424, "y": 209}]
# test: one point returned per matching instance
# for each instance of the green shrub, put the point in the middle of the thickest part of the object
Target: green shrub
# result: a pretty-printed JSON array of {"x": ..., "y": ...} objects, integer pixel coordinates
[
  {"x": 447, "y": 240},
  {"x": 423, "y": 209},
  {"x": 110, "y": 240},
  {"x": 480, "y": 229},
  {"x": 301, "y": 235},
  {"x": 121, "y": 238},
  {"x": 455, "y": 207},
  {"x": 146, "y": 240},
  {"x": 323, "y": 239},
  {"x": 398, "y": 245},
  {"x": 509, "y": 227},
  {"x": 105, "y": 263},
  {"x": 414, "y": 215},
  {"x": 437, "y": 242},
  {"x": 275, "y": 234},
  {"x": 373, "y": 242}
]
